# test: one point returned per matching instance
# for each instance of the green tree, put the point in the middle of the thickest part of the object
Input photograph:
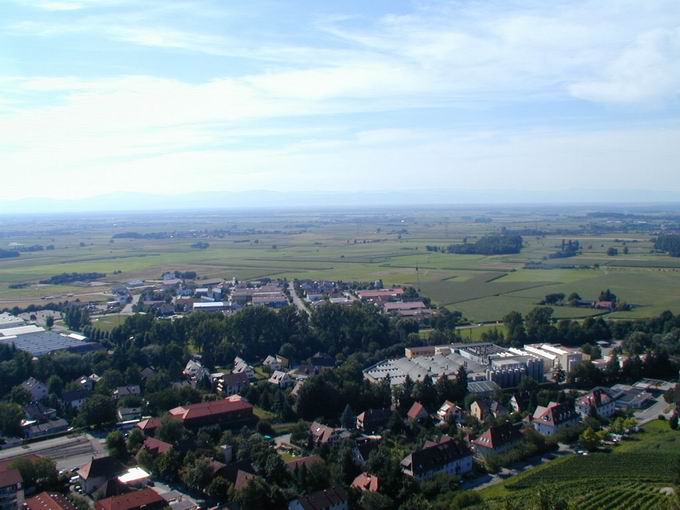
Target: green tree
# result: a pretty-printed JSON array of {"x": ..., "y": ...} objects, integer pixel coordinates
[
  {"x": 135, "y": 440},
  {"x": 170, "y": 430},
  {"x": 116, "y": 446},
  {"x": 10, "y": 419},
  {"x": 197, "y": 474},
  {"x": 347, "y": 418},
  {"x": 40, "y": 473},
  {"x": 97, "y": 410}
]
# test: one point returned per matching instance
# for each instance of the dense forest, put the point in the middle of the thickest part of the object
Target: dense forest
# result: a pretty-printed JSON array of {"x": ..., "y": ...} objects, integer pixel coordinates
[{"x": 668, "y": 243}]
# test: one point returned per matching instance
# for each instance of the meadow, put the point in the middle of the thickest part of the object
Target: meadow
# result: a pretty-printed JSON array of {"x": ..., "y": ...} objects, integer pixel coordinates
[{"x": 389, "y": 245}]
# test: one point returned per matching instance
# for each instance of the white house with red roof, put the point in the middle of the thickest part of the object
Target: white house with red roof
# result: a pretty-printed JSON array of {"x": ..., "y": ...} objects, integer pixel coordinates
[
  {"x": 557, "y": 416},
  {"x": 598, "y": 402}
]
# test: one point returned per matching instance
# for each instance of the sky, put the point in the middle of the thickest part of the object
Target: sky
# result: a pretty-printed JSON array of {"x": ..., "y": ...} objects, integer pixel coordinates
[{"x": 175, "y": 96}]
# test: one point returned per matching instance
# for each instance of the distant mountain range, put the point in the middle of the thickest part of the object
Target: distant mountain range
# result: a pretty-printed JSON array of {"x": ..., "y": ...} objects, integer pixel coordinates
[{"x": 258, "y": 199}]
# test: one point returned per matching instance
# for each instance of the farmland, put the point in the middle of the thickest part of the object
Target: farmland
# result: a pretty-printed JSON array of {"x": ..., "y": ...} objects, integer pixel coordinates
[
  {"x": 350, "y": 245},
  {"x": 637, "y": 471}
]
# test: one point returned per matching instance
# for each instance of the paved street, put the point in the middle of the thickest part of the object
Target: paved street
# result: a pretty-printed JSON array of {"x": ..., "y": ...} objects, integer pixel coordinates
[
  {"x": 68, "y": 452},
  {"x": 652, "y": 412},
  {"x": 299, "y": 303}
]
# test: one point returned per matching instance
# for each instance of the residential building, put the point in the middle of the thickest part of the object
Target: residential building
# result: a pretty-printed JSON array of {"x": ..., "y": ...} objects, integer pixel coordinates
[
  {"x": 450, "y": 412},
  {"x": 320, "y": 434},
  {"x": 96, "y": 472},
  {"x": 35, "y": 388},
  {"x": 373, "y": 420},
  {"x": 366, "y": 482},
  {"x": 444, "y": 456},
  {"x": 75, "y": 398},
  {"x": 231, "y": 384},
  {"x": 596, "y": 403},
  {"x": 280, "y": 379},
  {"x": 229, "y": 411},
  {"x": 310, "y": 460},
  {"x": 49, "y": 501},
  {"x": 335, "y": 498},
  {"x": 417, "y": 412},
  {"x": 127, "y": 391},
  {"x": 129, "y": 413},
  {"x": 272, "y": 363},
  {"x": 149, "y": 425},
  {"x": 35, "y": 411},
  {"x": 553, "y": 418},
  {"x": 497, "y": 439},
  {"x": 240, "y": 366},
  {"x": 145, "y": 499},
  {"x": 11, "y": 489},
  {"x": 156, "y": 446}
]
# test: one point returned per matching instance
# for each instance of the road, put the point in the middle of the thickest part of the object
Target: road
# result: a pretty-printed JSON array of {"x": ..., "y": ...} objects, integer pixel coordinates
[
  {"x": 488, "y": 480},
  {"x": 67, "y": 451},
  {"x": 299, "y": 303},
  {"x": 127, "y": 309}
]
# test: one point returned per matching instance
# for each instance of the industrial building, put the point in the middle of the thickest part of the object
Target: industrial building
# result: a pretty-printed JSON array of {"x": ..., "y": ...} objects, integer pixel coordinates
[{"x": 482, "y": 362}]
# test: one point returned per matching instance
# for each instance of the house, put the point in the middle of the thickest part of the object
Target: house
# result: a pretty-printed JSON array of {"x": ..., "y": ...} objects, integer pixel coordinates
[
  {"x": 127, "y": 391},
  {"x": 229, "y": 411},
  {"x": 321, "y": 361},
  {"x": 273, "y": 300},
  {"x": 297, "y": 464},
  {"x": 192, "y": 368},
  {"x": 49, "y": 501},
  {"x": 147, "y": 372},
  {"x": 597, "y": 402},
  {"x": 320, "y": 434},
  {"x": 483, "y": 409},
  {"x": 335, "y": 498},
  {"x": 231, "y": 384},
  {"x": 88, "y": 382},
  {"x": 366, "y": 482},
  {"x": 243, "y": 478},
  {"x": 373, "y": 420},
  {"x": 35, "y": 388},
  {"x": 46, "y": 429},
  {"x": 35, "y": 411},
  {"x": 240, "y": 366},
  {"x": 272, "y": 363},
  {"x": 605, "y": 305},
  {"x": 280, "y": 379},
  {"x": 129, "y": 413},
  {"x": 417, "y": 412},
  {"x": 444, "y": 456},
  {"x": 75, "y": 398},
  {"x": 134, "y": 477},
  {"x": 149, "y": 425},
  {"x": 550, "y": 420},
  {"x": 450, "y": 413},
  {"x": 11, "y": 488},
  {"x": 156, "y": 446},
  {"x": 497, "y": 439},
  {"x": 93, "y": 474},
  {"x": 146, "y": 499},
  {"x": 297, "y": 388}
]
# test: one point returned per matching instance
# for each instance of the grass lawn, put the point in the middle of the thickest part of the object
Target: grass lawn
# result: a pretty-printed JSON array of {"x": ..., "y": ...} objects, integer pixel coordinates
[{"x": 263, "y": 414}]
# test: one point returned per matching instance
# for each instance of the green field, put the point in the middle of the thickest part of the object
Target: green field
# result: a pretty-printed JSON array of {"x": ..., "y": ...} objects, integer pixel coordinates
[
  {"x": 636, "y": 471},
  {"x": 347, "y": 245}
]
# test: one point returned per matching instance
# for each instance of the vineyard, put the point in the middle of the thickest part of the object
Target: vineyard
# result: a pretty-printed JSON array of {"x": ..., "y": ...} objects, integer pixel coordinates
[{"x": 634, "y": 476}]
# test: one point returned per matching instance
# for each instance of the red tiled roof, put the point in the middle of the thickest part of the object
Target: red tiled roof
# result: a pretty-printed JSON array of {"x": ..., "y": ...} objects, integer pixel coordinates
[
  {"x": 307, "y": 461},
  {"x": 49, "y": 501},
  {"x": 416, "y": 410},
  {"x": 366, "y": 482},
  {"x": 102, "y": 467},
  {"x": 156, "y": 445},
  {"x": 132, "y": 501},
  {"x": 10, "y": 477},
  {"x": 498, "y": 436},
  {"x": 323, "y": 500},
  {"x": 243, "y": 478},
  {"x": 215, "y": 408},
  {"x": 149, "y": 424},
  {"x": 5, "y": 465}
]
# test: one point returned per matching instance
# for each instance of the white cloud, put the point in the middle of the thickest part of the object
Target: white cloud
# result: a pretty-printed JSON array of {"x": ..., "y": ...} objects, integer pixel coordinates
[{"x": 648, "y": 71}]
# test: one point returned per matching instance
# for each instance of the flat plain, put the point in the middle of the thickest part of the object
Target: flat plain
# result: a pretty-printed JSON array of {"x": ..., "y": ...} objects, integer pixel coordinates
[{"x": 389, "y": 245}]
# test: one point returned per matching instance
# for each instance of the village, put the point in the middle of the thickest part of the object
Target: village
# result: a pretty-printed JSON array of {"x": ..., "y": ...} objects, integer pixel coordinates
[{"x": 483, "y": 407}]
